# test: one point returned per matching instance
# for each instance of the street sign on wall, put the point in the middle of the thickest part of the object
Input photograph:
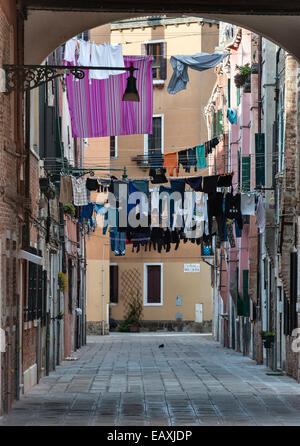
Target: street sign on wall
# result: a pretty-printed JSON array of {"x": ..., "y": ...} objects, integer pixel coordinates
[{"x": 191, "y": 268}]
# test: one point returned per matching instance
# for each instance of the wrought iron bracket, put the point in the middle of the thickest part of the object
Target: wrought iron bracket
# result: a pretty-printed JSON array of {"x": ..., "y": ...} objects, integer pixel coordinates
[{"x": 27, "y": 77}]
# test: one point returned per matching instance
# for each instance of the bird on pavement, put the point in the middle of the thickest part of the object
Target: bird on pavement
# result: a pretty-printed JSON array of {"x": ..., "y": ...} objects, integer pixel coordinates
[{"x": 161, "y": 345}]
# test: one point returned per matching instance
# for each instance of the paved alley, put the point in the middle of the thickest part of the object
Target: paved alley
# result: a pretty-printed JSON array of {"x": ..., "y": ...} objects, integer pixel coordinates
[{"x": 127, "y": 379}]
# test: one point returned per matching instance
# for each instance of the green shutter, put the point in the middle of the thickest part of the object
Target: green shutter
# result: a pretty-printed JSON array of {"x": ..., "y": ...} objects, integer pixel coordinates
[
  {"x": 238, "y": 96},
  {"x": 239, "y": 168},
  {"x": 228, "y": 94},
  {"x": 219, "y": 122},
  {"x": 239, "y": 301},
  {"x": 246, "y": 301},
  {"x": 260, "y": 159},
  {"x": 245, "y": 173}
]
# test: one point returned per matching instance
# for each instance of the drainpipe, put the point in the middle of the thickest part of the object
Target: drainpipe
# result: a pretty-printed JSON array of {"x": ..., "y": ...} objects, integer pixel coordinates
[
  {"x": 258, "y": 297},
  {"x": 276, "y": 193}
]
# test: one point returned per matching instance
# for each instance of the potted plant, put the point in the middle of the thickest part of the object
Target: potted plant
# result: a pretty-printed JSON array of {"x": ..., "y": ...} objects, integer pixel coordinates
[
  {"x": 62, "y": 281},
  {"x": 69, "y": 209},
  {"x": 134, "y": 314},
  {"x": 243, "y": 76},
  {"x": 268, "y": 338}
]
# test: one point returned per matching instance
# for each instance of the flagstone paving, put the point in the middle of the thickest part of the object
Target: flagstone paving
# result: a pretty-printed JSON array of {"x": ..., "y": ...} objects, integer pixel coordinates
[{"x": 127, "y": 380}]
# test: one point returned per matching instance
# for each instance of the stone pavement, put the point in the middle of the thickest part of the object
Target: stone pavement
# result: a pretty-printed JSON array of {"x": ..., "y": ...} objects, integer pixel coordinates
[{"x": 127, "y": 380}]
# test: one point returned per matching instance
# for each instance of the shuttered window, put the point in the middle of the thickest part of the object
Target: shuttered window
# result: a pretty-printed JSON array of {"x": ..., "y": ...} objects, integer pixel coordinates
[
  {"x": 219, "y": 129},
  {"x": 153, "y": 277},
  {"x": 245, "y": 173},
  {"x": 260, "y": 159},
  {"x": 159, "y": 52},
  {"x": 238, "y": 96},
  {"x": 114, "y": 283},
  {"x": 246, "y": 306},
  {"x": 293, "y": 291},
  {"x": 155, "y": 142}
]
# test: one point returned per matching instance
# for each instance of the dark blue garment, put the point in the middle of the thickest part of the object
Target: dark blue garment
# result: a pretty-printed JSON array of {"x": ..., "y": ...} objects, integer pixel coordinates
[
  {"x": 87, "y": 211},
  {"x": 117, "y": 242},
  {"x": 192, "y": 158},
  {"x": 137, "y": 186},
  {"x": 195, "y": 183}
]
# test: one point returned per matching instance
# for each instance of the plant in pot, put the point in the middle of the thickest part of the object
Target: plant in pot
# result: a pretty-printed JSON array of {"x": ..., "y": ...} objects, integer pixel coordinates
[
  {"x": 134, "y": 313},
  {"x": 242, "y": 78},
  {"x": 69, "y": 209},
  {"x": 268, "y": 338},
  {"x": 62, "y": 281}
]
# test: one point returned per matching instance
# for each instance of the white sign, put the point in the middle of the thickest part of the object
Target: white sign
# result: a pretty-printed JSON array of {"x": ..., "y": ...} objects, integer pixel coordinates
[{"x": 191, "y": 268}]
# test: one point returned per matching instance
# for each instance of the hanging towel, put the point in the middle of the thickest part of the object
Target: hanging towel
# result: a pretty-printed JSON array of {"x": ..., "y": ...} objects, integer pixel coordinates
[
  {"x": 70, "y": 48},
  {"x": 115, "y": 58},
  {"x": 106, "y": 55},
  {"x": 97, "y": 109},
  {"x": 171, "y": 163},
  {"x": 260, "y": 215},
  {"x": 201, "y": 160},
  {"x": 66, "y": 190},
  {"x": 180, "y": 64},
  {"x": 248, "y": 204}
]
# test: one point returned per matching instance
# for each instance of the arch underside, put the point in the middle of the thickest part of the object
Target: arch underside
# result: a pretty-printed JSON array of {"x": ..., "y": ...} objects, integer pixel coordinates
[{"x": 45, "y": 30}]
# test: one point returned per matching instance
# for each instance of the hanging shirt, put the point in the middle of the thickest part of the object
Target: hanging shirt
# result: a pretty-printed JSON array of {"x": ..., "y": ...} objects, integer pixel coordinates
[
  {"x": 180, "y": 64},
  {"x": 171, "y": 163},
  {"x": 248, "y": 204},
  {"x": 84, "y": 58},
  {"x": 96, "y": 106},
  {"x": 70, "y": 48},
  {"x": 80, "y": 197}
]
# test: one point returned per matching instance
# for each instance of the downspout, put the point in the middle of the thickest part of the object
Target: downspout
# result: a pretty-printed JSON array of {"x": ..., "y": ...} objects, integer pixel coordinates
[
  {"x": 258, "y": 296},
  {"x": 275, "y": 186}
]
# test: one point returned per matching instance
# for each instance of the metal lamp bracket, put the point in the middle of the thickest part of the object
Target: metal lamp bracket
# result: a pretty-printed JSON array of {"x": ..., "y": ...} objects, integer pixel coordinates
[{"x": 27, "y": 77}]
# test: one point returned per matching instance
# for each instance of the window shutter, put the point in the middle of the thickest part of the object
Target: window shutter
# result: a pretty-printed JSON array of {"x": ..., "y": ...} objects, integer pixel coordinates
[
  {"x": 163, "y": 61},
  {"x": 153, "y": 284},
  {"x": 114, "y": 283},
  {"x": 228, "y": 94},
  {"x": 293, "y": 291},
  {"x": 238, "y": 96},
  {"x": 40, "y": 291},
  {"x": 245, "y": 173},
  {"x": 219, "y": 122},
  {"x": 246, "y": 303},
  {"x": 144, "y": 49},
  {"x": 260, "y": 159},
  {"x": 32, "y": 290}
]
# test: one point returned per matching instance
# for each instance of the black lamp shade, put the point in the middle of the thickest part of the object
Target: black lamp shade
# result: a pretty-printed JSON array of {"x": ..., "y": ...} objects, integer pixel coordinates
[{"x": 131, "y": 93}]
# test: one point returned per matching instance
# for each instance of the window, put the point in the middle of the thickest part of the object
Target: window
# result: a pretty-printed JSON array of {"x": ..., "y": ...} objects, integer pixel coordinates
[
  {"x": 113, "y": 147},
  {"x": 157, "y": 49},
  {"x": 114, "y": 284},
  {"x": 154, "y": 143},
  {"x": 153, "y": 284}
]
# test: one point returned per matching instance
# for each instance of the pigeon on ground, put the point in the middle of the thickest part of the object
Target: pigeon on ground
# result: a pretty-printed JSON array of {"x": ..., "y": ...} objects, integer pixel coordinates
[{"x": 161, "y": 345}]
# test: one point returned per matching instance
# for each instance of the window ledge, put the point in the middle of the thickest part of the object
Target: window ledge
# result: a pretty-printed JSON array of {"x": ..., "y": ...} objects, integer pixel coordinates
[
  {"x": 153, "y": 305},
  {"x": 158, "y": 82}
]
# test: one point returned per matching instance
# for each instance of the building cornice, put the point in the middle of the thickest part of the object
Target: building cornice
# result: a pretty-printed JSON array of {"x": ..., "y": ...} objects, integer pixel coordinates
[{"x": 144, "y": 22}]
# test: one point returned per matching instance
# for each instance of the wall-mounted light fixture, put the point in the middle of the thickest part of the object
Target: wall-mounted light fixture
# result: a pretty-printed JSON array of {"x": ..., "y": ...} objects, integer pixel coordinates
[{"x": 27, "y": 77}]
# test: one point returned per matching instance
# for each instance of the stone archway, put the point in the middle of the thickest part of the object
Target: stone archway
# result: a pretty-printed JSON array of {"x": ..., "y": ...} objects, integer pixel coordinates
[{"x": 49, "y": 24}]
